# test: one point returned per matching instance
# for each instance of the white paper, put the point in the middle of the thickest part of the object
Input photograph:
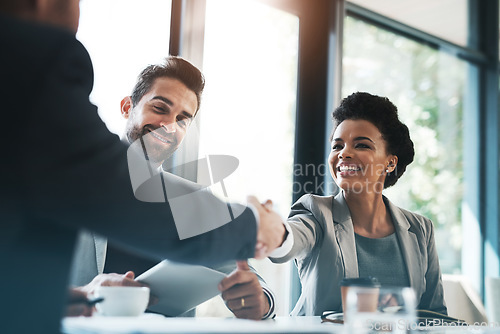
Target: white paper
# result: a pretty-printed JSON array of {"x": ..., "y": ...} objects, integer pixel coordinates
[{"x": 180, "y": 287}]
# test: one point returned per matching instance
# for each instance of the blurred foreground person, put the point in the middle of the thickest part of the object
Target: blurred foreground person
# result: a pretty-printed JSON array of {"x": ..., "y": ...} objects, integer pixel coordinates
[{"x": 63, "y": 170}]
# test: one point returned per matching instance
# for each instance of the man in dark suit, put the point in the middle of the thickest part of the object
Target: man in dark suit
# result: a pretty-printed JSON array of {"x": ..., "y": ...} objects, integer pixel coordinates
[{"x": 63, "y": 170}]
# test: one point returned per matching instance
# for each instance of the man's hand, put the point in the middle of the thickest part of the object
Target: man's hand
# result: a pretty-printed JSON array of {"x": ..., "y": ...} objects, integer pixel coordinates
[
  {"x": 77, "y": 304},
  {"x": 271, "y": 232},
  {"x": 126, "y": 279},
  {"x": 243, "y": 293}
]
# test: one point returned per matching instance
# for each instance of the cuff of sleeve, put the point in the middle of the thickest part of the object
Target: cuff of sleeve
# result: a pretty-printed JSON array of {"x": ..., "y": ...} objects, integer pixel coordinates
[
  {"x": 286, "y": 247},
  {"x": 271, "y": 313}
]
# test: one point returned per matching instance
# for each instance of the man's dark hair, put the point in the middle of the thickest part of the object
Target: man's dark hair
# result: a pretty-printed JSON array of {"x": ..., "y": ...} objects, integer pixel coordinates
[
  {"x": 384, "y": 115},
  {"x": 175, "y": 68}
]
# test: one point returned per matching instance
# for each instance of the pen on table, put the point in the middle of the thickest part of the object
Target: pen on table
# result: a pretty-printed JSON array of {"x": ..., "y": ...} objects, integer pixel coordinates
[{"x": 88, "y": 302}]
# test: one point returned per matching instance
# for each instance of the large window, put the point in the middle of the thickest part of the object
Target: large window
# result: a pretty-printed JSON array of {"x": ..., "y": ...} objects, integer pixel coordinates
[
  {"x": 428, "y": 87},
  {"x": 122, "y": 38},
  {"x": 248, "y": 109}
]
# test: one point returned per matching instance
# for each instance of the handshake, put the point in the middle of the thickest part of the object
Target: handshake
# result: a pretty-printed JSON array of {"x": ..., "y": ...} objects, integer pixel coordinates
[
  {"x": 271, "y": 232},
  {"x": 241, "y": 284}
]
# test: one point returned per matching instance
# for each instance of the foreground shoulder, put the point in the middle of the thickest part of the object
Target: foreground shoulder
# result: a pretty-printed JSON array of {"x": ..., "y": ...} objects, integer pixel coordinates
[
  {"x": 39, "y": 52},
  {"x": 35, "y": 42}
]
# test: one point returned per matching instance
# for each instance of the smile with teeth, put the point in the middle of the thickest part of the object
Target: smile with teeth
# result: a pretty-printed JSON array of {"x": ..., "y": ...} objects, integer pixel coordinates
[
  {"x": 348, "y": 169},
  {"x": 160, "y": 138}
]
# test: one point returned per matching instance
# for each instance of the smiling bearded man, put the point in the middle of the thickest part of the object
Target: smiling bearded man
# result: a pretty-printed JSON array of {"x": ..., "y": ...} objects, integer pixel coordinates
[{"x": 163, "y": 103}]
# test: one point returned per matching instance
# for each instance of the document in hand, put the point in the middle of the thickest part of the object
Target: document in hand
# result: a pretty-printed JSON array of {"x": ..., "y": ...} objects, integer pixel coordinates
[{"x": 180, "y": 287}]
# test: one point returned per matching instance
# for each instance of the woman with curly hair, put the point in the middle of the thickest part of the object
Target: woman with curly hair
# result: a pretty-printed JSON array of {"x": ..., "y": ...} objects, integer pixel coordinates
[{"x": 359, "y": 232}]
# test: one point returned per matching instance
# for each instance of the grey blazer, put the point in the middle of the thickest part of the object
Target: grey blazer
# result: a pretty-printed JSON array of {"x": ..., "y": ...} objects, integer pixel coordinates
[
  {"x": 324, "y": 251},
  {"x": 88, "y": 259}
]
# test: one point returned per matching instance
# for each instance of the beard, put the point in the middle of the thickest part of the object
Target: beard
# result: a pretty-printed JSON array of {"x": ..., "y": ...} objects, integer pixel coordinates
[{"x": 158, "y": 145}]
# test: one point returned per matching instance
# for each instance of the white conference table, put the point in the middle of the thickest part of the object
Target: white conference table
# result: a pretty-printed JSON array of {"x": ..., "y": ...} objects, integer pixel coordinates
[{"x": 157, "y": 324}]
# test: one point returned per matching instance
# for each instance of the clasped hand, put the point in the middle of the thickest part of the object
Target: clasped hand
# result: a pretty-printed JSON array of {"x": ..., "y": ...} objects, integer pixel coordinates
[{"x": 271, "y": 231}]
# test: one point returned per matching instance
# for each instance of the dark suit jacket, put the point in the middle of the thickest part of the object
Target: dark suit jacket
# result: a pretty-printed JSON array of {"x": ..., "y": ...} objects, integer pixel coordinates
[{"x": 62, "y": 170}]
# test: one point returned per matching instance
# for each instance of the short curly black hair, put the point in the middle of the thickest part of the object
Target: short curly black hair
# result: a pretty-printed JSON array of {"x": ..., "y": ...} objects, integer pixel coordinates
[{"x": 384, "y": 115}]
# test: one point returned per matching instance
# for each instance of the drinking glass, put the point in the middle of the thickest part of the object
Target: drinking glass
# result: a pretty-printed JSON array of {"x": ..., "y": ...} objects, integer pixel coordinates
[{"x": 386, "y": 309}]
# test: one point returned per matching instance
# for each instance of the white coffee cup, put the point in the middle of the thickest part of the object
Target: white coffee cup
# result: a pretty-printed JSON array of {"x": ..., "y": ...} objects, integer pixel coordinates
[{"x": 122, "y": 301}]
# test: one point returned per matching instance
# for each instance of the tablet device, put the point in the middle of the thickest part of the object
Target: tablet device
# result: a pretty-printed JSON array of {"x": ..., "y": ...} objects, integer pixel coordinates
[{"x": 180, "y": 287}]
